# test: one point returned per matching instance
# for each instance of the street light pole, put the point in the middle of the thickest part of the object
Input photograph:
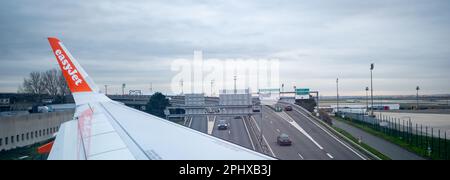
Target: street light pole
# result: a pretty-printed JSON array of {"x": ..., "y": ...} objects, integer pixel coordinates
[
  {"x": 235, "y": 90},
  {"x": 212, "y": 82},
  {"x": 367, "y": 98},
  {"x": 371, "y": 87},
  {"x": 123, "y": 89},
  {"x": 417, "y": 97},
  {"x": 151, "y": 88},
  {"x": 181, "y": 84},
  {"x": 337, "y": 95}
]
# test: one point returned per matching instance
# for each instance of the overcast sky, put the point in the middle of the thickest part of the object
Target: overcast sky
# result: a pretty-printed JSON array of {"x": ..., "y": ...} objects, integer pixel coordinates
[{"x": 134, "y": 42}]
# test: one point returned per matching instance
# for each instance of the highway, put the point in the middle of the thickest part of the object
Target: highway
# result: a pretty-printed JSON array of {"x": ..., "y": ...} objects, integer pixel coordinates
[
  {"x": 236, "y": 133},
  {"x": 199, "y": 123},
  {"x": 309, "y": 141}
]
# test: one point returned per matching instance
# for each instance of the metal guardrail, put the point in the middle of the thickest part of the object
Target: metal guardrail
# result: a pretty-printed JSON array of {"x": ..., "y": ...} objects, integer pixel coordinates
[
  {"x": 263, "y": 147},
  {"x": 424, "y": 139}
]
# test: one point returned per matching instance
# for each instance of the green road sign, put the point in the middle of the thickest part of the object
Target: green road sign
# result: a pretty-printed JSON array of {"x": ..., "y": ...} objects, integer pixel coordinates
[
  {"x": 278, "y": 109},
  {"x": 302, "y": 91}
]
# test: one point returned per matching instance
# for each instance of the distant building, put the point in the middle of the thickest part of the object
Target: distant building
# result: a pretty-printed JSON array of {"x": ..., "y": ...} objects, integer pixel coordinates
[
  {"x": 138, "y": 102},
  {"x": 24, "y": 102},
  {"x": 23, "y": 130},
  {"x": 360, "y": 108}
]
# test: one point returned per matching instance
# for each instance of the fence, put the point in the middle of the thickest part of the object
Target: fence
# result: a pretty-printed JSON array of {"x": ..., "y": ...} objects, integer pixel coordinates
[{"x": 422, "y": 139}]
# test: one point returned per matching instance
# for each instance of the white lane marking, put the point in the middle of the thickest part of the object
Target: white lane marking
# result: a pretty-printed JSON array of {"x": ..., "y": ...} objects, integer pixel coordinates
[
  {"x": 186, "y": 120},
  {"x": 248, "y": 133},
  {"x": 270, "y": 149},
  {"x": 190, "y": 122},
  {"x": 229, "y": 131},
  {"x": 286, "y": 117},
  {"x": 271, "y": 122},
  {"x": 264, "y": 138},
  {"x": 211, "y": 125},
  {"x": 278, "y": 130},
  {"x": 329, "y": 134},
  {"x": 329, "y": 155},
  {"x": 256, "y": 124},
  {"x": 300, "y": 155}
]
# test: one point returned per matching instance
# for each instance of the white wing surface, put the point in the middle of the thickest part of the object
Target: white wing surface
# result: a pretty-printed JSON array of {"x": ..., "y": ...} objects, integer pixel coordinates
[{"x": 105, "y": 129}]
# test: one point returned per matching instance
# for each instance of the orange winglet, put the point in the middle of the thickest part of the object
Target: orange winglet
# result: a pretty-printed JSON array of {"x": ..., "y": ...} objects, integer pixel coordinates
[
  {"x": 74, "y": 78},
  {"x": 46, "y": 148}
]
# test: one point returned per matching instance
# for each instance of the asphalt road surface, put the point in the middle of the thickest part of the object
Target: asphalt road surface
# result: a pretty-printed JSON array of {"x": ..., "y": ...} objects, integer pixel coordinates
[
  {"x": 199, "y": 123},
  {"x": 236, "y": 132},
  {"x": 309, "y": 140}
]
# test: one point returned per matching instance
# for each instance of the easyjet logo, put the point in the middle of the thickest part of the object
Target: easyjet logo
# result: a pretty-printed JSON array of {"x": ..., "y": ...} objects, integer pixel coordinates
[{"x": 73, "y": 73}]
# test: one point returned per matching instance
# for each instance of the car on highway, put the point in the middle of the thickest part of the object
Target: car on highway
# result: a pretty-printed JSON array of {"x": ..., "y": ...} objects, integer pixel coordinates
[
  {"x": 222, "y": 125},
  {"x": 256, "y": 108},
  {"x": 284, "y": 140},
  {"x": 288, "y": 108}
]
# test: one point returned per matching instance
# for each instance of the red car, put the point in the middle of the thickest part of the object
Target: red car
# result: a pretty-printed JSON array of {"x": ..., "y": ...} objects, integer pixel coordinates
[{"x": 288, "y": 108}]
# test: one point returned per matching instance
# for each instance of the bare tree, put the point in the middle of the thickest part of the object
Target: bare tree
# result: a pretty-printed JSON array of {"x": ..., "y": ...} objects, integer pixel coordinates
[
  {"x": 34, "y": 84},
  {"x": 63, "y": 88},
  {"x": 50, "y": 81}
]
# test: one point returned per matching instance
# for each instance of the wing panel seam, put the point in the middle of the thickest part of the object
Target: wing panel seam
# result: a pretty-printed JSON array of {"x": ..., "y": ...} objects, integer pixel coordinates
[{"x": 124, "y": 130}]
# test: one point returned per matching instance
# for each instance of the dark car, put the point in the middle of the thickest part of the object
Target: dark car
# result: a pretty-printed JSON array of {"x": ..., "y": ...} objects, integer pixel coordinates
[
  {"x": 284, "y": 140},
  {"x": 288, "y": 108},
  {"x": 222, "y": 125}
]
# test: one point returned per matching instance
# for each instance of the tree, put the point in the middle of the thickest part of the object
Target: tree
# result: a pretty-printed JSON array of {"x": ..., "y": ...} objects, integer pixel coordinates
[
  {"x": 63, "y": 88},
  {"x": 158, "y": 102},
  {"x": 50, "y": 82},
  {"x": 33, "y": 84}
]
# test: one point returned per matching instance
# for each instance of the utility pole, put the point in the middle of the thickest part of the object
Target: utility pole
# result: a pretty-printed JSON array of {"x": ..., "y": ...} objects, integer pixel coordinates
[
  {"x": 337, "y": 95},
  {"x": 367, "y": 98},
  {"x": 106, "y": 89},
  {"x": 151, "y": 88},
  {"x": 123, "y": 89},
  {"x": 417, "y": 97},
  {"x": 181, "y": 84},
  {"x": 371, "y": 87},
  {"x": 212, "y": 82},
  {"x": 235, "y": 90}
]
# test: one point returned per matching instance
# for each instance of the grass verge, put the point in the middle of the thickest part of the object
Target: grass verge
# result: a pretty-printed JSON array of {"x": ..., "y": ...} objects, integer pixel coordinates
[{"x": 25, "y": 153}]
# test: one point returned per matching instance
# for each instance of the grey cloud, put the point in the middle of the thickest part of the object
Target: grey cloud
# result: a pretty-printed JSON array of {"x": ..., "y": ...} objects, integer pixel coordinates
[{"x": 339, "y": 38}]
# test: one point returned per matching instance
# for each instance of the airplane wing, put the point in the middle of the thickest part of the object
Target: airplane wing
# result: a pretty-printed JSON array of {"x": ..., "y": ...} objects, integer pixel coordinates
[{"x": 105, "y": 129}]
